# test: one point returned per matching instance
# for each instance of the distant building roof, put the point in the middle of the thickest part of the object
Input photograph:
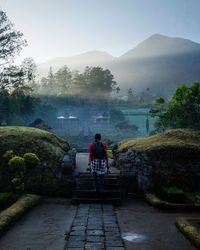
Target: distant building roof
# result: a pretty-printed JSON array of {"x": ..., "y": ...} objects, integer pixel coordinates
[{"x": 61, "y": 117}]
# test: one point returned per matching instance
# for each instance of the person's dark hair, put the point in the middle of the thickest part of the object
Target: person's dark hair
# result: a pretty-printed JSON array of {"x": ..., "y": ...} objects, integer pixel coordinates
[{"x": 97, "y": 137}]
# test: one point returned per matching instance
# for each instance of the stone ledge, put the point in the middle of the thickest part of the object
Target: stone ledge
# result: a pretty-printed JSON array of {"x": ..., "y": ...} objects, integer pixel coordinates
[
  {"x": 191, "y": 232},
  {"x": 15, "y": 211},
  {"x": 153, "y": 200}
]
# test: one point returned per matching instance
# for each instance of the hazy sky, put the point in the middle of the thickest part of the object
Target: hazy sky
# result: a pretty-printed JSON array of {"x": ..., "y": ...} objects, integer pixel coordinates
[{"x": 56, "y": 28}]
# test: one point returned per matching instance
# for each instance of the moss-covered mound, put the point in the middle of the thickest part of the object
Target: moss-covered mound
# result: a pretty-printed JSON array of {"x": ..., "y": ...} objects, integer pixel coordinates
[
  {"x": 174, "y": 156},
  {"x": 181, "y": 144},
  {"x": 48, "y": 147}
]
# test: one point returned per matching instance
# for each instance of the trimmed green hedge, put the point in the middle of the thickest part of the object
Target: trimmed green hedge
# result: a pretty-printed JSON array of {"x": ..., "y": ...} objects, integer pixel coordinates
[
  {"x": 11, "y": 214},
  {"x": 190, "y": 231},
  {"x": 153, "y": 200}
]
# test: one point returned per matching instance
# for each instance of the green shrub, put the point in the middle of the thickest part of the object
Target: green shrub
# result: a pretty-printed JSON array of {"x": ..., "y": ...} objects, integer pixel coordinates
[
  {"x": 17, "y": 163},
  {"x": 173, "y": 194},
  {"x": 8, "y": 154},
  {"x": 31, "y": 160},
  {"x": 17, "y": 184}
]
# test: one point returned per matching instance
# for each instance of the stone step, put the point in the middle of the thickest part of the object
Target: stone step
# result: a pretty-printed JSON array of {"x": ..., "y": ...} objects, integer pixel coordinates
[
  {"x": 94, "y": 194},
  {"x": 91, "y": 186},
  {"x": 101, "y": 200},
  {"x": 91, "y": 180}
]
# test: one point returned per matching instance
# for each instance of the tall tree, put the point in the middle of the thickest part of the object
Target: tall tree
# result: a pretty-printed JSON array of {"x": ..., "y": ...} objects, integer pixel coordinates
[
  {"x": 63, "y": 79},
  {"x": 11, "y": 43},
  {"x": 183, "y": 109},
  {"x": 99, "y": 82}
]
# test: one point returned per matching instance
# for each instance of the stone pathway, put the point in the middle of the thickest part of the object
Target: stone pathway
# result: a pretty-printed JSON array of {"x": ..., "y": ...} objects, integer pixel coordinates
[{"x": 95, "y": 227}]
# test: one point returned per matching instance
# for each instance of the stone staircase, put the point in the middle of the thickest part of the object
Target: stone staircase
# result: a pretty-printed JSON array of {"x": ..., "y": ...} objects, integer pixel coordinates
[{"x": 85, "y": 189}]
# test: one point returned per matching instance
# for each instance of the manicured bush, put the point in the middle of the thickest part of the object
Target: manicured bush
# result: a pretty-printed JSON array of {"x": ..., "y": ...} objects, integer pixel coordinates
[
  {"x": 17, "y": 184},
  {"x": 17, "y": 163},
  {"x": 31, "y": 160},
  {"x": 8, "y": 154}
]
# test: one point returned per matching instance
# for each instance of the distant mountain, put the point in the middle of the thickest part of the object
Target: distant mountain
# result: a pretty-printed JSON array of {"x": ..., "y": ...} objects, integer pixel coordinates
[
  {"x": 159, "y": 45},
  {"x": 91, "y": 58},
  {"x": 159, "y": 63}
]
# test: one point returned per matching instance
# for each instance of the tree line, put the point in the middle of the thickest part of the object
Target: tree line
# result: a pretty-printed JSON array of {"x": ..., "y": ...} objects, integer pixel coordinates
[{"x": 94, "y": 82}]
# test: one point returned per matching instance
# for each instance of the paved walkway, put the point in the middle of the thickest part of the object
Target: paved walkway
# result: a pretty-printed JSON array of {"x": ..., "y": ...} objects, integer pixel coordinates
[
  {"x": 42, "y": 228},
  {"x": 146, "y": 228},
  {"x": 95, "y": 227}
]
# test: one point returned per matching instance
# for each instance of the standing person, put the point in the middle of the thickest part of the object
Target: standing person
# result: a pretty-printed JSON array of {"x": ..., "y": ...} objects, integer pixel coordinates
[{"x": 98, "y": 162}]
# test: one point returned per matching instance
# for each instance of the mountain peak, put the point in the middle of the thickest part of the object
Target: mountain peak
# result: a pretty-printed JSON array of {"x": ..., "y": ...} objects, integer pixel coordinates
[{"x": 159, "y": 45}]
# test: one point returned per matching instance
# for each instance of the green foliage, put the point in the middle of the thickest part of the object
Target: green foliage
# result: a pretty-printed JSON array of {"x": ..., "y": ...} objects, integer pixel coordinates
[
  {"x": 17, "y": 163},
  {"x": 183, "y": 109},
  {"x": 31, "y": 160},
  {"x": 160, "y": 100},
  {"x": 8, "y": 154},
  {"x": 17, "y": 184},
  {"x": 40, "y": 176},
  {"x": 173, "y": 194},
  {"x": 94, "y": 82},
  {"x": 11, "y": 42}
]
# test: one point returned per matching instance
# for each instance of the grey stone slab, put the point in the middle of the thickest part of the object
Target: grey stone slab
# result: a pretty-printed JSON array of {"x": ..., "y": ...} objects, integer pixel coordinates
[
  {"x": 115, "y": 248},
  {"x": 78, "y": 228},
  {"x": 111, "y": 224},
  {"x": 112, "y": 239},
  {"x": 97, "y": 226},
  {"x": 79, "y": 224},
  {"x": 94, "y": 246},
  {"x": 95, "y": 232},
  {"x": 76, "y": 238},
  {"x": 95, "y": 238},
  {"x": 75, "y": 248},
  {"x": 111, "y": 229},
  {"x": 111, "y": 243},
  {"x": 75, "y": 244},
  {"x": 114, "y": 234},
  {"x": 94, "y": 227}
]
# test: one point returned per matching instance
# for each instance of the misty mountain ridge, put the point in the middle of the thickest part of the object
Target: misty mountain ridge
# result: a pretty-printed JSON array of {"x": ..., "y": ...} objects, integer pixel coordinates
[
  {"x": 159, "y": 45},
  {"x": 91, "y": 57},
  {"x": 160, "y": 63}
]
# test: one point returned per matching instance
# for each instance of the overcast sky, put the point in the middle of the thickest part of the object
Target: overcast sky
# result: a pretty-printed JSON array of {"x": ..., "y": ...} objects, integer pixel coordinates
[{"x": 55, "y": 28}]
